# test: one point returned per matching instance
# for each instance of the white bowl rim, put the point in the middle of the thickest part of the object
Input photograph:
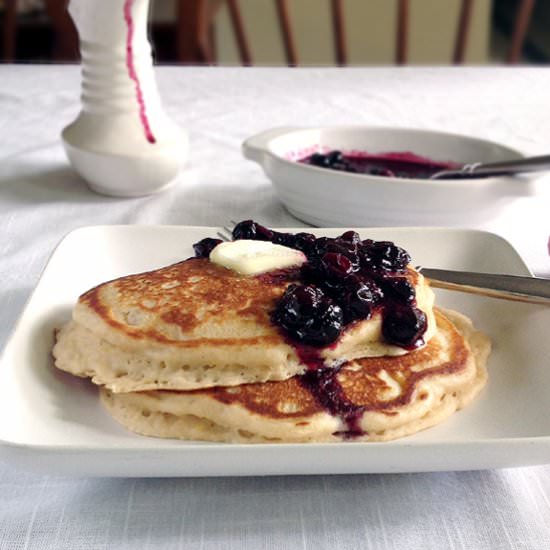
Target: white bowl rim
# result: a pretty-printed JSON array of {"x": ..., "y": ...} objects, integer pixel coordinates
[{"x": 466, "y": 182}]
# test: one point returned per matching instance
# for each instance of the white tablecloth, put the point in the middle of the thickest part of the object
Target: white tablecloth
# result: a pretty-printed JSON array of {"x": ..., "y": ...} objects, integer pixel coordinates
[{"x": 41, "y": 200}]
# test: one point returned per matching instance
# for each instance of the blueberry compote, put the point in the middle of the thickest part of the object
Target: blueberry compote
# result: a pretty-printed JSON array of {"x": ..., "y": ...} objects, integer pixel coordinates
[
  {"x": 345, "y": 280},
  {"x": 393, "y": 165}
]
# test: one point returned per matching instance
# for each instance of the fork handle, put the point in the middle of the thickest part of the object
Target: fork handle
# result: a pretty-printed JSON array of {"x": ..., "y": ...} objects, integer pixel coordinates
[{"x": 508, "y": 287}]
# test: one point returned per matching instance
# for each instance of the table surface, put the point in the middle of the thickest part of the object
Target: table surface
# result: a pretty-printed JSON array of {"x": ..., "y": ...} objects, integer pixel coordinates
[{"x": 41, "y": 199}]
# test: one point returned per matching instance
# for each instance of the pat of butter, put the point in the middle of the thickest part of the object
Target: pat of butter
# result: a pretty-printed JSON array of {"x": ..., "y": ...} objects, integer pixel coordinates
[{"x": 254, "y": 257}]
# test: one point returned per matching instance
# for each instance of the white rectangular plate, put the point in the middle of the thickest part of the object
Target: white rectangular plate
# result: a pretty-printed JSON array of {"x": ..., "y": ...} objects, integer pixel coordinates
[{"x": 52, "y": 422}]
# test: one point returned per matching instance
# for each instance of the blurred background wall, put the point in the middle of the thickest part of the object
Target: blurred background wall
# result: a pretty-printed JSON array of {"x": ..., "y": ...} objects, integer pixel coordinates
[{"x": 41, "y": 34}]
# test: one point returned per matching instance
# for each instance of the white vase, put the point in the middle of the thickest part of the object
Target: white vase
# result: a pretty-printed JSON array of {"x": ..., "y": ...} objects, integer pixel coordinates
[{"x": 122, "y": 143}]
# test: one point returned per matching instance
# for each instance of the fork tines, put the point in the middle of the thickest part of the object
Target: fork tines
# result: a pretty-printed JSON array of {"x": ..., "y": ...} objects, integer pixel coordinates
[{"x": 226, "y": 234}]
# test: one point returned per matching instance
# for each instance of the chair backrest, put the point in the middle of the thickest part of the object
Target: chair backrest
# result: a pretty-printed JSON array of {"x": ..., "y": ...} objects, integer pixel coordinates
[
  {"x": 10, "y": 20},
  {"x": 523, "y": 18},
  {"x": 195, "y": 38},
  {"x": 203, "y": 30},
  {"x": 66, "y": 38}
]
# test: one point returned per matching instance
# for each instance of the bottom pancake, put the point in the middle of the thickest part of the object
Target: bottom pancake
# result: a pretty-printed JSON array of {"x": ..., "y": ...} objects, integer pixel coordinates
[{"x": 371, "y": 399}]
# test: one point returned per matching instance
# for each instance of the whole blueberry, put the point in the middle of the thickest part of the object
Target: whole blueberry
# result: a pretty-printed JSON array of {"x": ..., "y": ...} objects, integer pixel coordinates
[
  {"x": 383, "y": 256},
  {"x": 304, "y": 242},
  {"x": 311, "y": 272},
  {"x": 350, "y": 236},
  {"x": 359, "y": 299},
  {"x": 284, "y": 239},
  {"x": 334, "y": 288},
  {"x": 318, "y": 159},
  {"x": 404, "y": 326},
  {"x": 308, "y": 316},
  {"x": 205, "y": 246},
  {"x": 347, "y": 249},
  {"x": 335, "y": 157},
  {"x": 249, "y": 229},
  {"x": 319, "y": 248},
  {"x": 399, "y": 289},
  {"x": 336, "y": 266}
]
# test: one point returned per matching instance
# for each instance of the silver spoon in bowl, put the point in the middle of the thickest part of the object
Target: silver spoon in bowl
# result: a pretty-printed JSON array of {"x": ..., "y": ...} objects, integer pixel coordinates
[{"x": 485, "y": 170}]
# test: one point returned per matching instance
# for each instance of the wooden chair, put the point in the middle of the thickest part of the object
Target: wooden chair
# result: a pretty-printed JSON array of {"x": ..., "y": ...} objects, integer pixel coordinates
[
  {"x": 195, "y": 22},
  {"x": 10, "y": 22},
  {"x": 66, "y": 37},
  {"x": 195, "y": 37}
]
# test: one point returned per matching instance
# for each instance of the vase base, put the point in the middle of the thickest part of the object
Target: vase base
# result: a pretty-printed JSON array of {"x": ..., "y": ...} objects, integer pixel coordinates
[
  {"x": 108, "y": 192},
  {"x": 123, "y": 176}
]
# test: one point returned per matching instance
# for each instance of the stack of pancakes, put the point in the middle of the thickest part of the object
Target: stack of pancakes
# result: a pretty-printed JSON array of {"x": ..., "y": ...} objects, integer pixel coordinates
[{"x": 189, "y": 351}]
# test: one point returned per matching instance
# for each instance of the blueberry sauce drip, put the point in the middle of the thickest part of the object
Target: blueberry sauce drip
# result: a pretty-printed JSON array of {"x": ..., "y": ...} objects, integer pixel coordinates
[
  {"x": 308, "y": 356},
  {"x": 393, "y": 165},
  {"x": 323, "y": 384}
]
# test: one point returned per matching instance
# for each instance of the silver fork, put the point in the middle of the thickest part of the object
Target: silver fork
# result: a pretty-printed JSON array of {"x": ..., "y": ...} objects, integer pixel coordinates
[
  {"x": 533, "y": 290},
  {"x": 228, "y": 235}
]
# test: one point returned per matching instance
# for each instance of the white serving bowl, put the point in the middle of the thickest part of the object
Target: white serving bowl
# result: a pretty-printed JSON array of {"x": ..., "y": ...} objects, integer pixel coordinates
[{"x": 326, "y": 197}]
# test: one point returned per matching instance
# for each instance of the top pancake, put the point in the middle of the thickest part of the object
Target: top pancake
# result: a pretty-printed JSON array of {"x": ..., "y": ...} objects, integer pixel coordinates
[{"x": 196, "y": 324}]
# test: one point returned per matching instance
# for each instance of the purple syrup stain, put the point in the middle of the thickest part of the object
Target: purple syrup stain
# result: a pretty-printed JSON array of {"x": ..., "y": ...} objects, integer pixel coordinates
[
  {"x": 132, "y": 71},
  {"x": 392, "y": 164},
  {"x": 308, "y": 355},
  {"x": 325, "y": 387},
  {"x": 322, "y": 383}
]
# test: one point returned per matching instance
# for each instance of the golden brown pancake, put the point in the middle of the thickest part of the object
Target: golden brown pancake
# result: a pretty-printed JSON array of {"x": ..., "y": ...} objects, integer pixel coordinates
[
  {"x": 369, "y": 399},
  {"x": 196, "y": 324}
]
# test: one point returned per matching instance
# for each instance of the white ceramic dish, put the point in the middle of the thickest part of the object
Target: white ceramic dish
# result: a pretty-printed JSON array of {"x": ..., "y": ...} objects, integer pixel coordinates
[
  {"x": 338, "y": 199},
  {"x": 52, "y": 422}
]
